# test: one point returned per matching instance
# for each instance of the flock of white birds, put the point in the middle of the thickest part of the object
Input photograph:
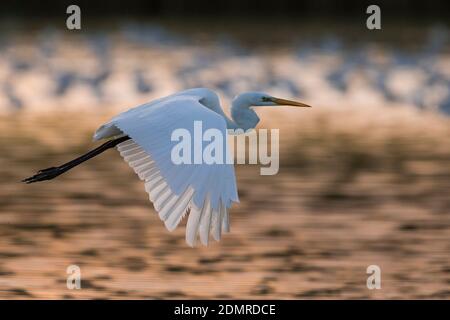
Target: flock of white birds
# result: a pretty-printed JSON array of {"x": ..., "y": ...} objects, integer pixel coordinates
[{"x": 51, "y": 68}]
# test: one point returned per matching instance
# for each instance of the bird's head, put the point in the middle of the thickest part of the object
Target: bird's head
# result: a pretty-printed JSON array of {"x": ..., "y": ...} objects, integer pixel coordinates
[
  {"x": 243, "y": 113},
  {"x": 261, "y": 99}
]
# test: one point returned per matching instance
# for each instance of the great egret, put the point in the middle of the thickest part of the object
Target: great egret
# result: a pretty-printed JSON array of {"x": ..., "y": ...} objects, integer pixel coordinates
[{"x": 143, "y": 137}]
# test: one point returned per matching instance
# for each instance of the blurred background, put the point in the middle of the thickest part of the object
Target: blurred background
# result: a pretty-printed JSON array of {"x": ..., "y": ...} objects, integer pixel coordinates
[{"x": 364, "y": 177}]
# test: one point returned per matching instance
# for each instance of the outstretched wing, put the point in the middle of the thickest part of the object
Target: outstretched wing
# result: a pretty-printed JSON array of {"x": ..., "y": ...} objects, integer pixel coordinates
[{"x": 205, "y": 191}]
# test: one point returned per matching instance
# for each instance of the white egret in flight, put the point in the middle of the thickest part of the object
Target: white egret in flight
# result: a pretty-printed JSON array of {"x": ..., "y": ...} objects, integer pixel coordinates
[{"x": 143, "y": 137}]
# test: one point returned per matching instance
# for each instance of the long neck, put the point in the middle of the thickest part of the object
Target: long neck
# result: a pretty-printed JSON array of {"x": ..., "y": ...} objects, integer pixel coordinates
[{"x": 243, "y": 117}]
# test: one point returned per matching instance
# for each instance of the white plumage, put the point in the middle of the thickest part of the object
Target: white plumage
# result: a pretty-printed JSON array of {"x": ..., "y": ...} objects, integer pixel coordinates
[
  {"x": 203, "y": 191},
  {"x": 147, "y": 136}
]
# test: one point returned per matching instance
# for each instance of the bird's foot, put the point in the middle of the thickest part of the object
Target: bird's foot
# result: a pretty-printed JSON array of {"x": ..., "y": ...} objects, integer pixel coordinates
[{"x": 44, "y": 174}]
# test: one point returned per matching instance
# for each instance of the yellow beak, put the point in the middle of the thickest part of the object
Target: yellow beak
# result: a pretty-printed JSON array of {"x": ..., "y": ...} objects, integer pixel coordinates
[{"x": 284, "y": 102}]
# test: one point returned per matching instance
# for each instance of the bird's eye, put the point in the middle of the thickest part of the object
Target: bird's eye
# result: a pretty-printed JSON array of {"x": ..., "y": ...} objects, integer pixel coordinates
[{"x": 265, "y": 99}]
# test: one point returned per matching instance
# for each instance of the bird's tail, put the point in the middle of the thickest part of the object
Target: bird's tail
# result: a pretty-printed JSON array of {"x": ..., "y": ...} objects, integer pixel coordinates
[{"x": 53, "y": 172}]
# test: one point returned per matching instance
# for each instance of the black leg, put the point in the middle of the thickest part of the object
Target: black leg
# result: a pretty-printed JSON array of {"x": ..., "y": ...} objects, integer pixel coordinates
[{"x": 53, "y": 172}]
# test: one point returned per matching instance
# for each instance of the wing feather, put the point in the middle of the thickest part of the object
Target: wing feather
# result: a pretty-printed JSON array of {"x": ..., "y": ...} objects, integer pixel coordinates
[
  {"x": 217, "y": 232},
  {"x": 205, "y": 223},
  {"x": 193, "y": 224},
  {"x": 179, "y": 209},
  {"x": 226, "y": 221},
  {"x": 204, "y": 191}
]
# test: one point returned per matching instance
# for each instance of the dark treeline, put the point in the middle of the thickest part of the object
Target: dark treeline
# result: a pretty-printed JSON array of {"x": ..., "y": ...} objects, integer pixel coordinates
[{"x": 214, "y": 8}]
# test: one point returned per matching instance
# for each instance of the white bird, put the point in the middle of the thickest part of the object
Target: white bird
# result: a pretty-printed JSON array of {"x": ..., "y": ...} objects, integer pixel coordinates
[{"x": 143, "y": 137}]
